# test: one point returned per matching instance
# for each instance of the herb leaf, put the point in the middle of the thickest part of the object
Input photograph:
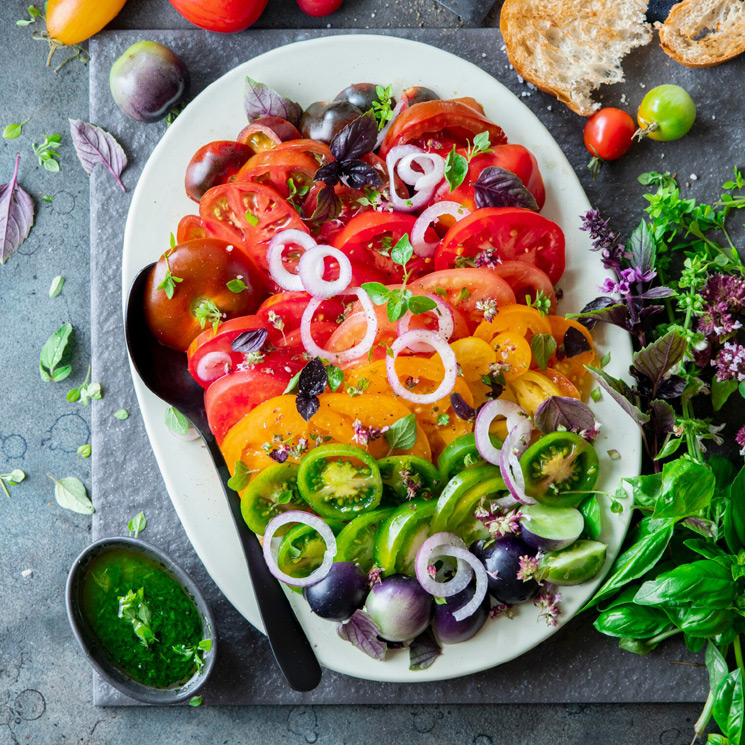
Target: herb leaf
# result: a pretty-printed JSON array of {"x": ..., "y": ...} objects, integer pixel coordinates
[
  {"x": 94, "y": 145},
  {"x": 240, "y": 478},
  {"x": 260, "y": 101},
  {"x": 657, "y": 358},
  {"x": 402, "y": 434},
  {"x": 121, "y": 414},
  {"x": 423, "y": 651},
  {"x": 356, "y": 139},
  {"x": 498, "y": 187},
  {"x": 56, "y": 287},
  {"x": 46, "y": 154},
  {"x": 176, "y": 421},
  {"x": 16, "y": 215},
  {"x": 707, "y": 581},
  {"x": 456, "y": 168},
  {"x": 362, "y": 632},
  {"x": 542, "y": 346},
  {"x": 53, "y": 353},
  {"x": 137, "y": 524},
  {"x": 71, "y": 494},
  {"x": 561, "y": 411},
  {"x": 13, "y": 131},
  {"x": 249, "y": 341}
]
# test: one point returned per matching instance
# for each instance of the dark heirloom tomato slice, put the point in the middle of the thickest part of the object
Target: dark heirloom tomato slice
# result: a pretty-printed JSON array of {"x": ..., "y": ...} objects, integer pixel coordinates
[
  {"x": 515, "y": 158},
  {"x": 437, "y": 124},
  {"x": 189, "y": 228},
  {"x": 526, "y": 281},
  {"x": 214, "y": 163},
  {"x": 508, "y": 233},
  {"x": 196, "y": 274},
  {"x": 560, "y": 469},
  {"x": 233, "y": 396},
  {"x": 340, "y": 481},
  {"x": 287, "y": 311},
  {"x": 268, "y": 494},
  {"x": 267, "y": 132}
]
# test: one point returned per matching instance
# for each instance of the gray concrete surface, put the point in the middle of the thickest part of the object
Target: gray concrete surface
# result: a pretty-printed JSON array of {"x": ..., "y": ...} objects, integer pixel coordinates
[{"x": 45, "y": 694}]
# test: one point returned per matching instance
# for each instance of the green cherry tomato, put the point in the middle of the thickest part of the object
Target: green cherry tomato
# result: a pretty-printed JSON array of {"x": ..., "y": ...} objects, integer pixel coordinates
[
  {"x": 669, "y": 111},
  {"x": 302, "y": 549},
  {"x": 560, "y": 469},
  {"x": 398, "y": 539},
  {"x": 340, "y": 481},
  {"x": 407, "y": 477},
  {"x": 356, "y": 540},
  {"x": 270, "y": 493}
]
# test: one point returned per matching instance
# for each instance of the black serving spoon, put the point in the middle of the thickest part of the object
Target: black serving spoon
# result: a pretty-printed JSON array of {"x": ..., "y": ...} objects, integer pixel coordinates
[{"x": 164, "y": 372}]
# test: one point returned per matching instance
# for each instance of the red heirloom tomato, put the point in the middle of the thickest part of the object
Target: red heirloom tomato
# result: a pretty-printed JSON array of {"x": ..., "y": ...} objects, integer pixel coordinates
[
  {"x": 526, "y": 281},
  {"x": 215, "y": 163},
  {"x": 286, "y": 171},
  {"x": 196, "y": 275},
  {"x": 508, "y": 233},
  {"x": 225, "y": 16},
  {"x": 189, "y": 228},
  {"x": 437, "y": 125}
]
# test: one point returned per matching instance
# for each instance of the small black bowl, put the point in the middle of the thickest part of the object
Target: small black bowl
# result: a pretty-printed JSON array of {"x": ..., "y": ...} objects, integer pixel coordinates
[{"x": 92, "y": 650}]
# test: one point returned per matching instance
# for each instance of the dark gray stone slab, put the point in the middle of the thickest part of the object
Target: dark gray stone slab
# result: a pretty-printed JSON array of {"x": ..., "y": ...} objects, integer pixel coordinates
[
  {"x": 473, "y": 11},
  {"x": 576, "y": 665}
]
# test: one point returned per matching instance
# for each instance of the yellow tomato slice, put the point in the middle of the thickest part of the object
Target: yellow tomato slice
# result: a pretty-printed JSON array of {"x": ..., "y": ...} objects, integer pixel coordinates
[
  {"x": 514, "y": 353},
  {"x": 531, "y": 389},
  {"x": 570, "y": 367},
  {"x": 518, "y": 319},
  {"x": 474, "y": 355}
]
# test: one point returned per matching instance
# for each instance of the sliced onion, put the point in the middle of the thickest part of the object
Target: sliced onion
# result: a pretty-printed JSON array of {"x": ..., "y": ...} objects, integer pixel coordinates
[
  {"x": 277, "y": 245},
  {"x": 311, "y": 268},
  {"x": 482, "y": 582},
  {"x": 509, "y": 465},
  {"x": 445, "y": 323},
  {"x": 403, "y": 158},
  {"x": 383, "y": 132},
  {"x": 439, "y": 345},
  {"x": 312, "y": 521},
  {"x": 352, "y": 353},
  {"x": 213, "y": 365},
  {"x": 516, "y": 417},
  {"x": 438, "y": 545},
  {"x": 424, "y": 247}
]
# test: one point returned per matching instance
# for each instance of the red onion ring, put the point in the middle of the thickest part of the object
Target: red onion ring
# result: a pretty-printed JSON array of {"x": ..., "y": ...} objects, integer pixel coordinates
[
  {"x": 445, "y": 323},
  {"x": 516, "y": 417},
  {"x": 311, "y": 268},
  {"x": 439, "y": 545},
  {"x": 509, "y": 465},
  {"x": 424, "y": 247},
  {"x": 403, "y": 157},
  {"x": 277, "y": 245},
  {"x": 449, "y": 362},
  {"x": 482, "y": 582},
  {"x": 213, "y": 365},
  {"x": 312, "y": 521},
  {"x": 358, "y": 350}
]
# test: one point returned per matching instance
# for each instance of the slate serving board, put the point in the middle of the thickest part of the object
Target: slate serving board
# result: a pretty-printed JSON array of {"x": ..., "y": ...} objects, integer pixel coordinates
[{"x": 575, "y": 665}]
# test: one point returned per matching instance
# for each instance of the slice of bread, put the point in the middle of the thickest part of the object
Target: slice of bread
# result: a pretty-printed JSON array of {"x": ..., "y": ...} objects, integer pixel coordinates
[
  {"x": 570, "y": 47},
  {"x": 702, "y": 33}
]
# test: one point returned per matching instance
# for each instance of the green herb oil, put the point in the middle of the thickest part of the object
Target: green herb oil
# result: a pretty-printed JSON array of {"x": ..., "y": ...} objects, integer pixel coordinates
[{"x": 174, "y": 619}]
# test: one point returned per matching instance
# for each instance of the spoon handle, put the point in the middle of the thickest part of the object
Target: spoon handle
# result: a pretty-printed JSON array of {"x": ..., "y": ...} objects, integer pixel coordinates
[{"x": 290, "y": 645}]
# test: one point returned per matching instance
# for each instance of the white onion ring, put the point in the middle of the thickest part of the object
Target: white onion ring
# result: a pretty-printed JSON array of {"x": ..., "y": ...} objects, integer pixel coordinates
[
  {"x": 277, "y": 245},
  {"x": 482, "y": 582},
  {"x": 383, "y": 132},
  {"x": 348, "y": 354},
  {"x": 439, "y": 345},
  {"x": 426, "y": 248},
  {"x": 439, "y": 545},
  {"x": 403, "y": 157},
  {"x": 509, "y": 465},
  {"x": 445, "y": 323},
  {"x": 311, "y": 267},
  {"x": 312, "y": 521},
  {"x": 516, "y": 417}
]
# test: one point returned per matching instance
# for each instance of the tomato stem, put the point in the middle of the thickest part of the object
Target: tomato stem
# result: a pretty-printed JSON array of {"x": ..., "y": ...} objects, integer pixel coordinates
[{"x": 644, "y": 131}]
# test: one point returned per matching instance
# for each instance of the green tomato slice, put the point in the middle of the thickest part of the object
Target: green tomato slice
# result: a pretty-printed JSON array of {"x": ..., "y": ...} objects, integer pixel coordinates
[
  {"x": 398, "y": 539},
  {"x": 340, "y": 481},
  {"x": 480, "y": 479},
  {"x": 407, "y": 477},
  {"x": 579, "y": 563},
  {"x": 356, "y": 540},
  {"x": 460, "y": 454},
  {"x": 270, "y": 493},
  {"x": 302, "y": 549}
]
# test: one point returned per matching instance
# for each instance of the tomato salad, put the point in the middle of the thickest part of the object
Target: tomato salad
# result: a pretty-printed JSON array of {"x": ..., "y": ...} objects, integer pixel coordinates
[{"x": 367, "y": 296}]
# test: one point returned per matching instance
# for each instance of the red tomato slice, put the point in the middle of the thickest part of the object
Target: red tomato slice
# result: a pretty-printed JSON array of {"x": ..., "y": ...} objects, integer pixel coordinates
[
  {"x": 277, "y": 167},
  {"x": 326, "y": 232},
  {"x": 320, "y": 332},
  {"x": 287, "y": 309},
  {"x": 510, "y": 233},
  {"x": 233, "y": 396},
  {"x": 464, "y": 288},
  {"x": 435, "y": 124},
  {"x": 526, "y": 281},
  {"x": 189, "y": 228}
]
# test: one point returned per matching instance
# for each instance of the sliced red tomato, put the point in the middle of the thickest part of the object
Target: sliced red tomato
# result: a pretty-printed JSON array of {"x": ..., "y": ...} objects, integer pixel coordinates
[
  {"x": 320, "y": 332},
  {"x": 515, "y": 158},
  {"x": 285, "y": 309},
  {"x": 189, "y": 228},
  {"x": 526, "y": 281},
  {"x": 281, "y": 168},
  {"x": 233, "y": 396},
  {"x": 434, "y": 125},
  {"x": 508, "y": 233},
  {"x": 466, "y": 289},
  {"x": 327, "y": 230}
]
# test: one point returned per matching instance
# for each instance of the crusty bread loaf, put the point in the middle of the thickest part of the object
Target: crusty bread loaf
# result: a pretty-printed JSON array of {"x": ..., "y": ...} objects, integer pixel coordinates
[
  {"x": 570, "y": 47},
  {"x": 702, "y": 33}
]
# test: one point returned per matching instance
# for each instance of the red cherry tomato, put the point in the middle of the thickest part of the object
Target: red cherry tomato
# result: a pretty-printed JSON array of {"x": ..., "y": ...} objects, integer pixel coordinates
[
  {"x": 213, "y": 164},
  {"x": 224, "y": 16},
  {"x": 507, "y": 232},
  {"x": 608, "y": 135},
  {"x": 319, "y": 8}
]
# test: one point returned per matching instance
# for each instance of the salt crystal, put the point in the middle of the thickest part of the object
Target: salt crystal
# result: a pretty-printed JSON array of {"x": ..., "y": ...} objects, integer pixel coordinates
[
  {"x": 641, "y": 85},
  {"x": 521, "y": 79},
  {"x": 693, "y": 177},
  {"x": 27, "y": 572},
  {"x": 549, "y": 107}
]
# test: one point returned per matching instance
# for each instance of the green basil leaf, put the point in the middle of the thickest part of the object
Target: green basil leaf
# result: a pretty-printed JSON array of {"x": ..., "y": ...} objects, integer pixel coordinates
[
  {"x": 716, "y": 665},
  {"x": 729, "y": 706},
  {"x": 632, "y": 621},
  {"x": 53, "y": 352},
  {"x": 56, "y": 287},
  {"x": 176, "y": 421},
  {"x": 240, "y": 478},
  {"x": 700, "y": 622},
  {"x": 694, "y": 643},
  {"x": 236, "y": 285},
  {"x": 456, "y": 168},
  {"x": 397, "y": 306},
  {"x": 542, "y": 346},
  {"x": 137, "y": 524},
  {"x": 590, "y": 509},
  {"x": 671, "y": 446},
  {"x": 335, "y": 375},
  {"x": 708, "y": 550},
  {"x": 645, "y": 489},
  {"x": 707, "y": 581},
  {"x": 724, "y": 471},
  {"x": 636, "y": 561},
  {"x": 721, "y": 390},
  {"x": 714, "y": 738},
  {"x": 402, "y": 252},
  {"x": 687, "y": 489},
  {"x": 378, "y": 292},
  {"x": 637, "y": 646},
  {"x": 734, "y": 516},
  {"x": 71, "y": 494},
  {"x": 402, "y": 434},
  {"x": 421, "y": 304}
]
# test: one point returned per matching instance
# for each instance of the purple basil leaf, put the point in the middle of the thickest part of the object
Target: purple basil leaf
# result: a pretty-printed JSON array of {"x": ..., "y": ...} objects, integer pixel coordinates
[
  {"x": 328, "y": 206},
  {"x": 423, "y": 651},
  {"x": 356, "y": 139},
  {"x": 619, "y": 392},
  {"x": 329, "y": 173},
  {"x": 606, "y": 310},
  {"x": 307, "y": 406},
  {"x": 356, "y": 174},
  {"x": 662, "y": 418},
  {"x": 575, "y": 343},
  {"x": 249, "y": 341},
  {"x": 461, "y": 408},
  {"x": 654, "y": 360},
  {"x": 561, "y": 411},
  {"x": 702, "y": 526},
  {"x": 671, "y": 387},
  {"x": 313, "y": 379},
  {"x": 656, "y": 293},
  {"x": 95, "y": 145},
  {"x": 642, "y": 249},
  {"x": 16, "y": 215},
  {"x": 260, "y": 101},
  {"x": 362, "y": 632},
  {"x": 280, "y": 456},
  {"x": 392, "y": 645},
  {"x": 498, "y": 187},
  {"x": 650, "y": 310}
]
